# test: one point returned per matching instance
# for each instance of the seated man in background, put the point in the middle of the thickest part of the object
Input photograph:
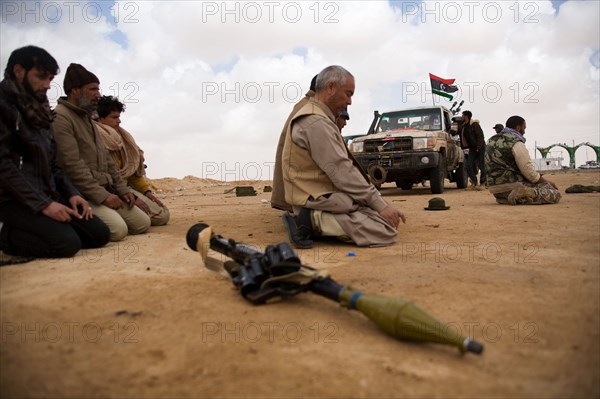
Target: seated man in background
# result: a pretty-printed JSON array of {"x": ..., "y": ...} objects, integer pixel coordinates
[
  {"x": 511, "y": 176},
  {"x": 129, "y": 158},
  {"x": 342, "y": 120},
  {"x": 85, "y": 160},
  {"x": 42, "y": 215},
  {"x": 329, "y": 195}
]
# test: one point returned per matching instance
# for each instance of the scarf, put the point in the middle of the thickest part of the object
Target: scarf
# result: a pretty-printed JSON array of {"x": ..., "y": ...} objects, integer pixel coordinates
[
  {"x": 36, "y": 112},
  {"x": 513, "y": 132},
  {"x": 121, "y": 141}
]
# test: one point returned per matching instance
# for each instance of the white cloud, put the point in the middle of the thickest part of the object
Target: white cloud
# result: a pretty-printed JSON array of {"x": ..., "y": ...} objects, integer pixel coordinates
[{"x": 205, "y": 90}]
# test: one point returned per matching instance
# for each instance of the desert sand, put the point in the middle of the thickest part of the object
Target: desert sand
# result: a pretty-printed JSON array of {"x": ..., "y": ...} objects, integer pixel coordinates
[{"x": 141, "y": 318}]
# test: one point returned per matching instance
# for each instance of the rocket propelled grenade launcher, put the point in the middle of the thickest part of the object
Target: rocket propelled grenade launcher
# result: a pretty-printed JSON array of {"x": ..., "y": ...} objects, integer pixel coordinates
[{"x": 278, "y": 273}]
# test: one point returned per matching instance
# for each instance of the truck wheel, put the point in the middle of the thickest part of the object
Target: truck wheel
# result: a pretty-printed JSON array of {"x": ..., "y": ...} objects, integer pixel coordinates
[
  {"x": 404, "y": 184},
  {"x": 437, "y": 176},
  {"x": 460, "y": 176}
]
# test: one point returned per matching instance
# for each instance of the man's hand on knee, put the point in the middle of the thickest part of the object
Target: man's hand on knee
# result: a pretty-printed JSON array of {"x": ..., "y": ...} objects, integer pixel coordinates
[
  {"x": 59, "y": 212},
  {"x": 543, "y": 180},
  {"x": 392, "y": 216},
  {"x": 129, "y": 198},
  {"x": 113, "y": 202}
]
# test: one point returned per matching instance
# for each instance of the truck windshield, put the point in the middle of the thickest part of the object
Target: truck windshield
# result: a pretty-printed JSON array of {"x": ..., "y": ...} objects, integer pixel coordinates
[{"x": 421, "y": 119}]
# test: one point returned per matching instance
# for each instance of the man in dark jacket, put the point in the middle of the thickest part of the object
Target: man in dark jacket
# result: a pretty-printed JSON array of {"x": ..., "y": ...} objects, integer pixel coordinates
[
  {"x": 43, "y": 215},
  {"x": 475, "y": 142}
]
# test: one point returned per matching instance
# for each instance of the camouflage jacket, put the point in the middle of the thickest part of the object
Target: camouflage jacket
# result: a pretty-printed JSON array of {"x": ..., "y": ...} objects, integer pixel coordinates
[{"x": 500, "y": 164}]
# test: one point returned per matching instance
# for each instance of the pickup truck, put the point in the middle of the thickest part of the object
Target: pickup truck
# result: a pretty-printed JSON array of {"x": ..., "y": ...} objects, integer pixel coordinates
[{"x": 410, "y": 146}]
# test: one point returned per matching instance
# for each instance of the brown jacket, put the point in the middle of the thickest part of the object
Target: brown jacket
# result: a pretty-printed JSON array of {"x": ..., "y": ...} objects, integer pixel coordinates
[
  {"x": 477, "y": 142},
  {"x": 82, "y": 155}
]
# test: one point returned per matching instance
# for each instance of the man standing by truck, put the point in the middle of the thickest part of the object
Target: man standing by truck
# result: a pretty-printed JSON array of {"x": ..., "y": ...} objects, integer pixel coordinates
[{"x": 472, "y": 133}]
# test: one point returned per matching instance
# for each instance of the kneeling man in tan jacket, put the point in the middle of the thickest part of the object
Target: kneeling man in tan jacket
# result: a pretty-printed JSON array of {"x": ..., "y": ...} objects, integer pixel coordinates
[{"x": 85, "y": 159}]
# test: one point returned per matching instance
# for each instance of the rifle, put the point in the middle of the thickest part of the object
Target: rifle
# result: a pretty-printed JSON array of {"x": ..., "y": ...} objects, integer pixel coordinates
[{"x": 278, "y": 272}]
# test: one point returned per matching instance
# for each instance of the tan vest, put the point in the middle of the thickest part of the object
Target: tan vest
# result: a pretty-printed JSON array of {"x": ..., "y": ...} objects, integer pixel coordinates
[{"x": 302, "y": 178}]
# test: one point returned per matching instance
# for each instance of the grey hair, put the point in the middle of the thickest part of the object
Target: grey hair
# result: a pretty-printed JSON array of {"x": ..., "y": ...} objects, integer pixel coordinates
[{"x": 333, "y": 73}]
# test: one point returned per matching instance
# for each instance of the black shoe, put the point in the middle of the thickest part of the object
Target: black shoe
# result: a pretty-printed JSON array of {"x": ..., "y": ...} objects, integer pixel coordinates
[
  {"x": 5, "y": 257},
  {"x": 300, "y": 236}
]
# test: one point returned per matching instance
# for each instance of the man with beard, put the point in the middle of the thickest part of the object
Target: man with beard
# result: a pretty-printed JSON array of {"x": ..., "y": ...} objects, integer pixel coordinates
[
  {"x": 85, "y": 159},
  {"x": 327, "y": 191},
  {"x": 42, "y": 214}
]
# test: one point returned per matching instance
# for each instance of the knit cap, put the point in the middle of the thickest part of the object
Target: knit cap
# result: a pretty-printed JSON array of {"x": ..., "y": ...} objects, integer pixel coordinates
[{"x": 78, "y": 76}]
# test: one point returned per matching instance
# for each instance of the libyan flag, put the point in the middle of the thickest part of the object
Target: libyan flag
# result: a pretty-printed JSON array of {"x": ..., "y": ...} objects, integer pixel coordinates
[{"x": 442, "y": 87}]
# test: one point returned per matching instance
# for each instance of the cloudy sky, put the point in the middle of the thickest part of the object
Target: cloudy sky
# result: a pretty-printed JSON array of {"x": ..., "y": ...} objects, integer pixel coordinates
[{"x": 208, "y": 85}]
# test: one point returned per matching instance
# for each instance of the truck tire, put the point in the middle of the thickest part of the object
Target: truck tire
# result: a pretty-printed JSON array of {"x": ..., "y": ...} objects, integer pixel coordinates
[
  {"x": 437, "y": 176},
  {"x": 404, "y": 184},
  {"x": 460, "y": 176}
]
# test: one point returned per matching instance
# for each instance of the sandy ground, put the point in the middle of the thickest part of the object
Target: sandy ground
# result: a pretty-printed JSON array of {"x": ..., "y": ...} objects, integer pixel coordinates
[{"x": 141, "y": 318}]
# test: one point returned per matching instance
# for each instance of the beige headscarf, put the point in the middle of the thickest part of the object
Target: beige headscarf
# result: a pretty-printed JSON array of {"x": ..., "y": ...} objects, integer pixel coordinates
[{"x": 121, "y": 141}]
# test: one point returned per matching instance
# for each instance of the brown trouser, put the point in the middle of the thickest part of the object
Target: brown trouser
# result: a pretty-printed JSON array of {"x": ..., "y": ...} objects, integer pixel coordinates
[{"x": 338, "y": 215}]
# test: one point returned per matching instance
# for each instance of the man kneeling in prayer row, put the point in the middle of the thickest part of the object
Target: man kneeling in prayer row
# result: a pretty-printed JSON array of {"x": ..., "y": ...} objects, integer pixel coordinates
[{"x": 327, "y": 191}]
